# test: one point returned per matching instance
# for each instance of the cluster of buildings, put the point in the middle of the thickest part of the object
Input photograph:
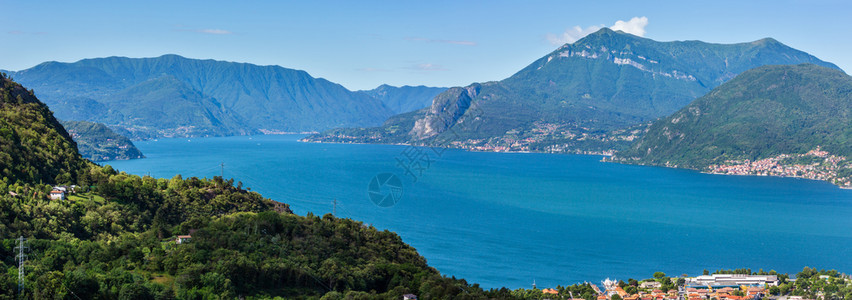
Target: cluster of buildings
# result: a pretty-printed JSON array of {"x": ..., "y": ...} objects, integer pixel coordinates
[
  {"x": 725, "y": 293},
  {"x": 719, "y": 286},
  {"x": 725, "y": 286},
  {"x": 515, "y": 141},
  {"x": 780, "y": 166}
]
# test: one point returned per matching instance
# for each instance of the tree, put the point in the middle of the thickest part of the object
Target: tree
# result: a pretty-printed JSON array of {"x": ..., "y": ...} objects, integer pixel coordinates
[
  {"x": 784, "y": 289},
  {"x": 774, "y": 290},
  {"x": 615, "y": 297},
  {"x": 659, "y": 275}
]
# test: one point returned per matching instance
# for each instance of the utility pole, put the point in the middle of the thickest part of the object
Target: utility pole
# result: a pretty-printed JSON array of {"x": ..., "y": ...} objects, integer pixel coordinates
[
  {"x": 22, "y": 258},
  {"x": 334, "y": 208},
  {"x": 222, "y": 174}
]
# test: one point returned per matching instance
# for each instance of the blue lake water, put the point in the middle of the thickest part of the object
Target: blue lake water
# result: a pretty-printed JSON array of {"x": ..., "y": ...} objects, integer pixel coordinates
[{"x": 508, "y": 219}]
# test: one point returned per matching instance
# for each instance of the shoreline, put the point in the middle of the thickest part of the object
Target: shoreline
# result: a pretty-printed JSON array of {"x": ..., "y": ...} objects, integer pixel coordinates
[
  {"x": 595, "y": 154},
  {"x": 777, "y": 176},
  {"x": 457, "y": 148}
]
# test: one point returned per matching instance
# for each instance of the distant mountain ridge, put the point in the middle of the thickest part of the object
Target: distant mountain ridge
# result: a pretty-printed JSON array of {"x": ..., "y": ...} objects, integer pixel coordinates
[
  {"x": 574, "y": 98},
  {"x": 175, "y": 96},
  {"x": 405, "y": 98}
]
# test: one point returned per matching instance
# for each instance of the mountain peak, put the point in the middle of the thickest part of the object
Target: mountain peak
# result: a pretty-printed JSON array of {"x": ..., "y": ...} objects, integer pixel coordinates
[
  {"x": 605, "y": 35},
  {"x": 767, "y": 41}
]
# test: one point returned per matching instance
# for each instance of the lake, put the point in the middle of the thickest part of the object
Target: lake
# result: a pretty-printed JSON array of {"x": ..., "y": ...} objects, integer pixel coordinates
[{"x": 511, "y": 219}]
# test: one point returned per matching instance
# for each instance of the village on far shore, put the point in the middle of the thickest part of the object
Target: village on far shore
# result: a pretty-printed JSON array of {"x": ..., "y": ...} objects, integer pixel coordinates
[{"x": 816, "y": 164}]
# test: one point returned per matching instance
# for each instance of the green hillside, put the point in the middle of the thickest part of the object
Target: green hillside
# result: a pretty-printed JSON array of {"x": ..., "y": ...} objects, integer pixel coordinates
[
  {"x": 578, "y": 96},
  {"x": 97, "y": 142},
  {"x": 34, "y": 147},
  {"x": 762, "y": 113},
  {"x": 175, "y": 96}
]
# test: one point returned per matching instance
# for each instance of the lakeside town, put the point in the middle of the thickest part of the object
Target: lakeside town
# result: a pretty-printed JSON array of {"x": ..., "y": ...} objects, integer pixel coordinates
[
  {"x": 816, "y": 164},
  {"x": 740, "y": 284},
  {"x": 566, "y": 138}
]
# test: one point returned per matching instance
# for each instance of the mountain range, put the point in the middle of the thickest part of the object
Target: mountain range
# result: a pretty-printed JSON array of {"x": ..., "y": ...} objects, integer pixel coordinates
[
  {"x": 175, "y": 96},
  {"x": 405, "y": 98},
  {"x": 594, "y": 94}
]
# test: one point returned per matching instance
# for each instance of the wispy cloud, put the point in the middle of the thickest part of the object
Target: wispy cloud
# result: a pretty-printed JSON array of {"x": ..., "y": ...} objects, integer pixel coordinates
[
  {"x": 634, "y": 26},
  {"x": 454, "y": 42},
  {"x": 373, "y": 70},
  {"x": 214, "y": 31},
  {"x": 571, "y": 34},
  {"x": 427, "y": 67},
  {"x": 20, "y": 32}
]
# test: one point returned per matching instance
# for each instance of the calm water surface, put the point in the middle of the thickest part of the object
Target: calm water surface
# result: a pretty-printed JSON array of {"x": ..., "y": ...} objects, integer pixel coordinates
[{"x": 503, "y": 219}]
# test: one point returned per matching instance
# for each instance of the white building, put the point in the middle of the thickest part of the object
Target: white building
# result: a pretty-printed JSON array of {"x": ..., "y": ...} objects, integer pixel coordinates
[
  {"x": 734, "y": 280},
  {"x": 57, "y": 195},
  {"x": 181, "y": 239}
]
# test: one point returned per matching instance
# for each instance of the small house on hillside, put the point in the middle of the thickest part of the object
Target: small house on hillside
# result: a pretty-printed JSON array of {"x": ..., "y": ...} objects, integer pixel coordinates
[
  {"x": 57, "y": 195},
  {"x": 409, "y": 297},
  {"x": 183, "y": 239}
]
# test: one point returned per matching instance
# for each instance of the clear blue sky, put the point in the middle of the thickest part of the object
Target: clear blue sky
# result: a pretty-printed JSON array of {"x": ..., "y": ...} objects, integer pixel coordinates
[{"x": 362, "y": 44}]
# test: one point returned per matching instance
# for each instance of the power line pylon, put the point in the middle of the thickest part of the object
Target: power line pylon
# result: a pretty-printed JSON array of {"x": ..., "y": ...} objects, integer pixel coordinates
[{"x": 22, "y": 258}]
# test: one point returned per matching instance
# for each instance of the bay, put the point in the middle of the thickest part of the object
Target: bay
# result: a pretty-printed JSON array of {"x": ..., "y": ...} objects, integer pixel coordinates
[{"x": 511, "y": 219}]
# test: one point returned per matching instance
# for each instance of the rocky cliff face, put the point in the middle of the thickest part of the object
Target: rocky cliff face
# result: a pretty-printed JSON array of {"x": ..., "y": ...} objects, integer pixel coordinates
[{"x": 446, "y": 110}]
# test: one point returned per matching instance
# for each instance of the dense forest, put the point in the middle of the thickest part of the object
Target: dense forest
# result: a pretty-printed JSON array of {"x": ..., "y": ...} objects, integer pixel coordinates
[{"x": 34, "y": 147}]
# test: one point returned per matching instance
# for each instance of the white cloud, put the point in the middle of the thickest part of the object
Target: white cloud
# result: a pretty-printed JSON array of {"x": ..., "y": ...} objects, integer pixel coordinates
[{"x": 635, "y": 26}]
